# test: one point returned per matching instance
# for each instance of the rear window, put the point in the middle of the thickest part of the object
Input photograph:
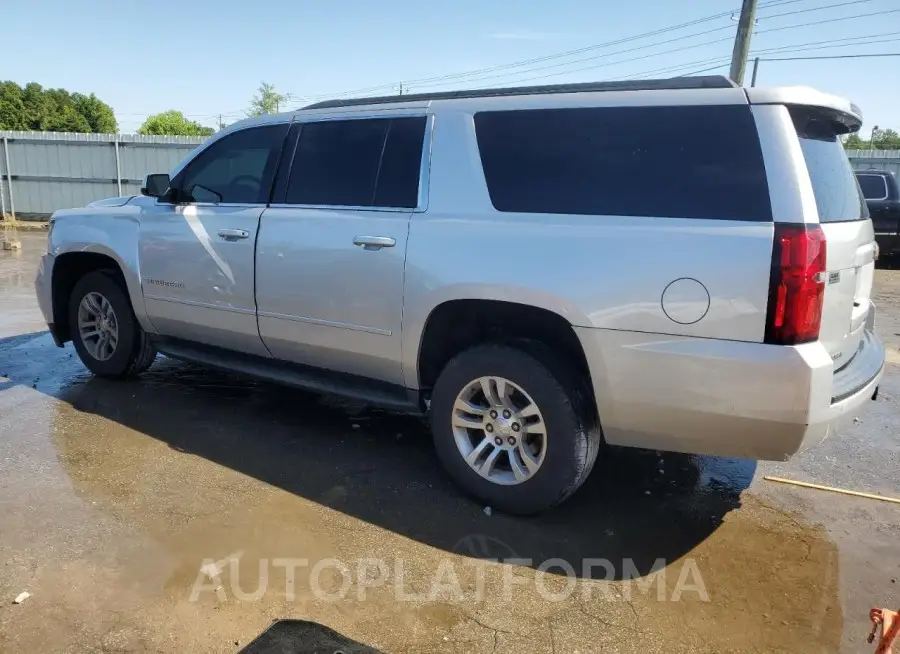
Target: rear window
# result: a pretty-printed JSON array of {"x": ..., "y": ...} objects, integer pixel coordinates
[
  {"x": 675, "y": 162},
  {"x": 874, "y": 187},
  {"x": 838, "y": 196}
]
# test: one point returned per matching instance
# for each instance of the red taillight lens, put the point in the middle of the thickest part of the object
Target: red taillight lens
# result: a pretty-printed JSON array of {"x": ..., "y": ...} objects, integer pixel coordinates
[{"x": 797, "y": 284}]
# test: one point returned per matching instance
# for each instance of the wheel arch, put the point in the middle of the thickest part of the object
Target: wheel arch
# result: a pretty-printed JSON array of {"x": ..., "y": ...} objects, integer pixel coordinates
[
  {"x": 460, "y": 321},
  {"x": 108, "y": 242}
]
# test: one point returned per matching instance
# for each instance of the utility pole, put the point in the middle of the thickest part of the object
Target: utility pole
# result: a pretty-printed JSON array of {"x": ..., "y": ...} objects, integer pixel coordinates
[
  {"x": 755, "y": 69},
  {"x": 742, "y": 41},
  {"x": 401, "y": 88}
]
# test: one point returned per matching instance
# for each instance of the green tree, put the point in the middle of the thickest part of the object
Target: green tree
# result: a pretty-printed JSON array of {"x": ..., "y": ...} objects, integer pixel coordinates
[
  {"x": 66, "y": 119},
  {"x": 12, "y": 110},
  {"x": 56, "y": 110},
  {"x": 267, "y": 101},
  {"x": 173, "y": 123},
  {"x": 886, "y": 139},
  {"x": 98, "y": 114},
  {"x": 881, "y": 139},
  {"x": 36, "y": 105},
  {"x": 854, "y": 142}
]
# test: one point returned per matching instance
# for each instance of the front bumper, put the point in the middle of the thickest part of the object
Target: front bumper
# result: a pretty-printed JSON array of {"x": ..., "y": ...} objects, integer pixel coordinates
[{"x": 43, "y": 288}]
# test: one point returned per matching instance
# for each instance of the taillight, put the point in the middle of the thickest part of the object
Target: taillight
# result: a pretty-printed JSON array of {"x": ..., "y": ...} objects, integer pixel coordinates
[{"x": 796, "y": 285}]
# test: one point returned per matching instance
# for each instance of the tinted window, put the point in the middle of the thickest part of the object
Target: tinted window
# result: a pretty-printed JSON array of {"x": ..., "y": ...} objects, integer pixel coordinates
[
  {"x": 362, "y": 163},
  {"x": 874, "y": 187},
  {"x": 237, "y": 168},
  {"x": 679, "y": 162},
  {"x": 838, "y": 197},
  {"x": 336, "y": 162},
  {"x": 398, "y": 180}
]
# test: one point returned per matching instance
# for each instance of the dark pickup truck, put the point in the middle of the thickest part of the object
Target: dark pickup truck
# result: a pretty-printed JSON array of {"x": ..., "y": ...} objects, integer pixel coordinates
[{"x": 879, "y": 187}]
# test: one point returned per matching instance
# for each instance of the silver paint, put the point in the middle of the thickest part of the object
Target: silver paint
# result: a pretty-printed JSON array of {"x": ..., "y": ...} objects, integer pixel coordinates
[{"x": 308, "y": 294}]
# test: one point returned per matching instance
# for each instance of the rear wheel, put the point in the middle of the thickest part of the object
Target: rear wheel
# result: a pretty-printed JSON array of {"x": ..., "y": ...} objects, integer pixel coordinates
[
  {"x": 105, "y": 332},
  {"x": 511, "y": 429}
]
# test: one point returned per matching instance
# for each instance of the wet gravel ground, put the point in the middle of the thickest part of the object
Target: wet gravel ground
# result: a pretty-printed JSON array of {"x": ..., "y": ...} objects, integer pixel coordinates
[{"x": 114, "y": 495}]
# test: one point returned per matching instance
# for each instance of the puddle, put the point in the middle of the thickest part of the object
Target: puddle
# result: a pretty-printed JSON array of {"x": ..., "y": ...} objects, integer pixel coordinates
[
  {"x": 113, "y": 495},
  {"x": 207, "y": 464}
]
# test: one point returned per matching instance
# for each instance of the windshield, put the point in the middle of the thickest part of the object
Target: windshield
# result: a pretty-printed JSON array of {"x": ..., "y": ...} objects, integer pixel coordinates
[{"x": 838, "y": 197}]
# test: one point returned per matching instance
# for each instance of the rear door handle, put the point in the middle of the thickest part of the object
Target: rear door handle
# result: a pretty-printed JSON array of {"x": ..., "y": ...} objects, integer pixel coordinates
[
  {"x": 374, "y": 242},
  {"x": 233, "y": 234}
]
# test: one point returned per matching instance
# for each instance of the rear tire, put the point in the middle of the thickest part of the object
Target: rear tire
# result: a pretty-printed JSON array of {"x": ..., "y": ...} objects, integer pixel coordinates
[
  {"x": 99, "y": 304},
  {"x": 550, "y": 468}
]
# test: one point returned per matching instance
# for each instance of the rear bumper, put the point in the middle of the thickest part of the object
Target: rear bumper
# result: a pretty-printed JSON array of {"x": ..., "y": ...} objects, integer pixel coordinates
[{"x": 725, "y": 398}]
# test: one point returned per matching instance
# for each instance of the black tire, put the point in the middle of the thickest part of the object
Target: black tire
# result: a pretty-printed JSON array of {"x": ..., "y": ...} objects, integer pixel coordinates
[
  {"x": 134, "y": 352},
  {"x": 573, "y": 438}
]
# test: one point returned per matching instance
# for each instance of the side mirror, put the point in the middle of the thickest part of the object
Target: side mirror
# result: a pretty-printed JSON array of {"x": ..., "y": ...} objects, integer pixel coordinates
[{"x": 155, "y": 185}]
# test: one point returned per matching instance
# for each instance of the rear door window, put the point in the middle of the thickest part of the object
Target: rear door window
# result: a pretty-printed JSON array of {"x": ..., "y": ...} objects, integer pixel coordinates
[
  {"x": 838, "y": 196},
  {"x": 674, "y": 162},
  {"x": 874, "y": 187},
  {"x": 372, "y": 162}
]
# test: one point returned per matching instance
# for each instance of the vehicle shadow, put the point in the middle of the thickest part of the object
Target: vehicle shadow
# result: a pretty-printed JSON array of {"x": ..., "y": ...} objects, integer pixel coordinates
[{"x": 380, "y": 467}]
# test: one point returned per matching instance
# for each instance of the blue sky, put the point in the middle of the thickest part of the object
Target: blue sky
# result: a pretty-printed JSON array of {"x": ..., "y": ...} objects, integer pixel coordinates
[{"x": 208, "y": 57}]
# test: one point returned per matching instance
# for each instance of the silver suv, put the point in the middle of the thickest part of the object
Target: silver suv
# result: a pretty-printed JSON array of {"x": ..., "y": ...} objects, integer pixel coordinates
[{"x": 677, "y": 264}]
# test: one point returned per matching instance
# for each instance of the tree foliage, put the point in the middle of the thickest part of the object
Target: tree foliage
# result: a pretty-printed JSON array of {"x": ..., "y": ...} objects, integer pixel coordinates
[
  {"x": 173, "y": 123},
  {"x": 53, "y": 110},
  {"x": 881, "y": 139},
  {"x": 266, "y": 101}
]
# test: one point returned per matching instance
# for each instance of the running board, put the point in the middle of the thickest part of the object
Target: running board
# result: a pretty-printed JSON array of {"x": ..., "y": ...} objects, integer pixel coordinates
[{"x": 327, "y": 382}]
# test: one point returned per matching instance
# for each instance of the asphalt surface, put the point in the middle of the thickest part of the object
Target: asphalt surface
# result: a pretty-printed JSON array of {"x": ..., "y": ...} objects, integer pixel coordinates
[{"x": 113, "y": 496}]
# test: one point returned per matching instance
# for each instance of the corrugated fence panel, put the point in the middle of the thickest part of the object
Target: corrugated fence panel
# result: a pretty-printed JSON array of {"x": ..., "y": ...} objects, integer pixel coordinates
[
  {"x": 55, "y": 170},
  {"x": 875, "y": 160},
  {"x": 137, "y": 161},
  {"x": 43, "y": 198}
]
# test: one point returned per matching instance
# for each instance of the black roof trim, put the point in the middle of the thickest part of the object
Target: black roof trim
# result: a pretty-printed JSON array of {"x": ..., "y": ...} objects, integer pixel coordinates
[{"x": 674, "y": 83}]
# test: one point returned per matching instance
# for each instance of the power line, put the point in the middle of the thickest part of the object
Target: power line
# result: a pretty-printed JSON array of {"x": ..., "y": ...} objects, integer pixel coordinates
[
  {"x": 772, "y": 29},
  {"x": 768, "y": 5},
  {"x": 723, "y": 64},
  {"x": 850, "y": 56},
  {"x": 829, "y": 20},
  {"x": 629, "y": 60},
  {"x": 803, "y": 11},
  {"x": 461, "y": 76},
  {"x": 787, "y": 49},
  {"x": 825, "y": 45},
  {"x": 610, "y": 54}
]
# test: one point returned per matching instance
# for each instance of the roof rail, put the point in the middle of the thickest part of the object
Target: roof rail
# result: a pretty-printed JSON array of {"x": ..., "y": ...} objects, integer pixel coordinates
[{"x": 674, "y": 83}]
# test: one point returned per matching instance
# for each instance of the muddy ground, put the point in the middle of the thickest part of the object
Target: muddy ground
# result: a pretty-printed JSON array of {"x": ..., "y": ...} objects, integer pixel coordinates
[{"x": 113, "y": 496}]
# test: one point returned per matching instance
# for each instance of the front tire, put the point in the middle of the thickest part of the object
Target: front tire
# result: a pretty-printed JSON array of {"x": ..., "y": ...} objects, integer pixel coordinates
[
  {"x": 104, "y": 329},
  {"x": 510, "y": 431}
]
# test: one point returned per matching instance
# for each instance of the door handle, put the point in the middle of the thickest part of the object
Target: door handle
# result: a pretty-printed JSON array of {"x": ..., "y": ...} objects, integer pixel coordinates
[
  {"x": 233, "y": 234},
  {"x": 374, "y": 242}
]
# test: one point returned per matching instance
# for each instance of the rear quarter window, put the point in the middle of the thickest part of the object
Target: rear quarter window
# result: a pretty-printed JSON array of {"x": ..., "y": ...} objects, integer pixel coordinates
[
  {"x": 874, "y": 187},
  {"x": 675, "y": 162}
]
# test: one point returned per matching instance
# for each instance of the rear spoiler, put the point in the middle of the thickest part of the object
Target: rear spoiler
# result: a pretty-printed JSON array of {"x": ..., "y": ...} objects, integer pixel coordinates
[{"x": 843, "y": 111}]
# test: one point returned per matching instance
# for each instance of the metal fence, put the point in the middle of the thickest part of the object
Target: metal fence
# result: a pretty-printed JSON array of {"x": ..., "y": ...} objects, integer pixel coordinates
[
  {"x": 876, "y": 160},
  {"x": 41, "y": 172}
]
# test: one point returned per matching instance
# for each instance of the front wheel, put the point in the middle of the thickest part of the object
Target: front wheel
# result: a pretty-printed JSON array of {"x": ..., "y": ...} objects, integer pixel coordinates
[
  {"x": 105, "y": 332},
  {"x": 511, "y": 432}
]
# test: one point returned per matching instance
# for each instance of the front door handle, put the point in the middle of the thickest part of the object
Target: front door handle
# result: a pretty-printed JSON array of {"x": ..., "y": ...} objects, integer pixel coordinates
[
  {"x": 233, "y": 234},
  {"x": 374, "y": 242}
]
